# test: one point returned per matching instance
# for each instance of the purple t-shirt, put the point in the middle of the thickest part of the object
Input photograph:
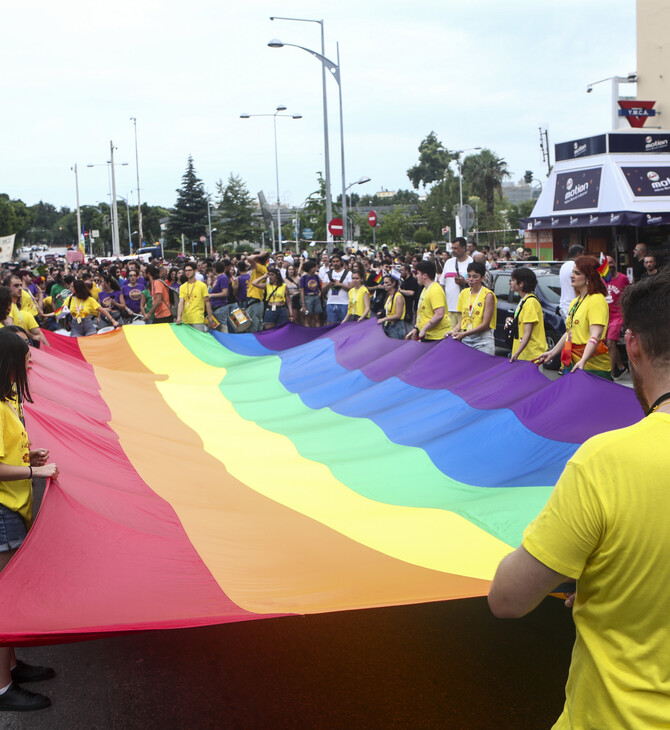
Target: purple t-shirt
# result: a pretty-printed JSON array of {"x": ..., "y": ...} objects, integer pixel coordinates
[
  {"x": 133, "y": 297},
  {"x": 310, "y": 283},
  {"x": 107, "y": 298},
  {"x": 220, "y": 284},
  {"x": 242, "y": 281}
]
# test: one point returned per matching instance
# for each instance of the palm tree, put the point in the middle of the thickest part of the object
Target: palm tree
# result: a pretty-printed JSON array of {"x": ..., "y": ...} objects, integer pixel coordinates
[{"x": 484, "y": 174}]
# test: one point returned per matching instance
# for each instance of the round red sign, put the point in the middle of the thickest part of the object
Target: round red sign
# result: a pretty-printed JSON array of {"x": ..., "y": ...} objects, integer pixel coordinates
[
  {"x": 372, "y": 218},
  {"x": 336, "y": 227}
]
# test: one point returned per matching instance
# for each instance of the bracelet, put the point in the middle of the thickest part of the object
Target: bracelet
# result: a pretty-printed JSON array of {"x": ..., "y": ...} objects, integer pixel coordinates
[
  {"x": 594, "y": 340},
  {"x": 31, "y": 472}
]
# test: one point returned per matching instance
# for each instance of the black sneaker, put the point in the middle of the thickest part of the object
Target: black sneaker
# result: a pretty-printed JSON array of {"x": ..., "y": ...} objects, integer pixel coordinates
[
  {"x": 618, "y": 373},
  {"x": 23, "y": 673},
  {"x": 17, "y": 699}
]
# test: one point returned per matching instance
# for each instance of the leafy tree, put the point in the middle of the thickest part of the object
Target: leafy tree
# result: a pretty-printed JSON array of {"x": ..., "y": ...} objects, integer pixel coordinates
[
  {"x": 45, "y": 215},
  {"x": 516, "y": 211},
  {"x": 237, "y": 207},
  {"x": 15, "y": 217},
  {"x": 433, "y": 162},
  {"x": 484, "y": 174},
  {"x": 423, "y": 236},
  {"x": 438, "y": 208},
  {"x": 189, "y": 215},
  {"x": 313, "y": 214},
  {"x": 395, "y": 227}
]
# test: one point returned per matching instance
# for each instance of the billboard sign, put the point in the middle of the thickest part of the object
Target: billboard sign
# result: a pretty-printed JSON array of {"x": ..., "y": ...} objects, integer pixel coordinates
[
  {"x": 647, "y": 181},
  {"x": 578, "y": 189},
  {"x": 584, "y": 147}
]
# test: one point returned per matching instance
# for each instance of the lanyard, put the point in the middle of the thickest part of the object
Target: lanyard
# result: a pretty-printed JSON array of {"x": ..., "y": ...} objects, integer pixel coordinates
[
  {"x": 470, "y": 304},
  {"x": 188, "y": 293},
  {"x": 659, "y": 402}
]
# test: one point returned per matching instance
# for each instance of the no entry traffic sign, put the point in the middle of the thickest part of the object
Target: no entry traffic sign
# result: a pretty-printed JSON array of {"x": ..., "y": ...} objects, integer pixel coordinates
[
  {"x": 336, "y": 227},
  {"x": 372, "y": 218}
]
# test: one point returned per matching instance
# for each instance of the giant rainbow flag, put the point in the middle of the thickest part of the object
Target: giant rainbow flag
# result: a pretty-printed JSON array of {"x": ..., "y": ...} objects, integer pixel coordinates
[{"x": 208, "y": 478}]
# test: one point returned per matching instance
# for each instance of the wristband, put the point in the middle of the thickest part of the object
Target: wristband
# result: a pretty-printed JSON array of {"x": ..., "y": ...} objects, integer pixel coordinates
[
  {"x": 31, "y": 472},
  {"x": 594, "y": 340}
]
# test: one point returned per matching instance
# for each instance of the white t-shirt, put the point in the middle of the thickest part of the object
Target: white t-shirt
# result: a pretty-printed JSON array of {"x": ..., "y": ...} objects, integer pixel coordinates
[
  {"x": 567, "y": 290},
  {"x": 337, "y": 296},
  {"x": 452, "y": 268}
]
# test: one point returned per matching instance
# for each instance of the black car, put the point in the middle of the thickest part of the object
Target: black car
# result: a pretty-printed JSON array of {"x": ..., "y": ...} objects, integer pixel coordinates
[{"x": 548, "y": 291}]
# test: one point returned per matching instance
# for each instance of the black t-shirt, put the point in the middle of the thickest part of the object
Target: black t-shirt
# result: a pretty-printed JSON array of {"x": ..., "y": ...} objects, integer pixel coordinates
[{"x": 410, "y": 284}]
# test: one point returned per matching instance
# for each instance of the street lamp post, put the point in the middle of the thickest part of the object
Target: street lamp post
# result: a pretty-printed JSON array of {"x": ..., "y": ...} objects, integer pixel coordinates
[
  {"x": 335, "y": 70},
  {"x": 137, "y": 168},
  {"x": 130, "y": 235},
  {"x": 360, "y": 181},
  {"x": 615, "y": 81},
  {"x": 116, "y": 249},
  {"x": 209, "y": 227},
  {"x": 326, "y": 148},
  {"x": 280, "y": 108},
  {"x": 76, "y": 186},
  {"x": 457, "y": 154}
]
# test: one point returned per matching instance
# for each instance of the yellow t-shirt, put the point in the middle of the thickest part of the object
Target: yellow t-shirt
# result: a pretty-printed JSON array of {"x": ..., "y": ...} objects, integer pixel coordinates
[
  {"x": 22, "y": 319},
  {"x": 472, "y": 308},
  {"x": 605, "y": 524},
  {"x": 47, "y": 305},
  {"x": 390, "y": 305},
  {"x": 15, "y": 451},
  {"x": 593, "y": 309},
  {"x": 82, "y": 308},
  {"x": 531, "y": 313},
  {"x": 431, "y": 299},
  {"x": 275, "y": 294},
  {"x": 356, "y": 305},
  {"x": 95, "y": 292},
  {"x": 28, "y": 304},
  {"x": 253, "y": 292},
  {"x": 194, "y": 296}
]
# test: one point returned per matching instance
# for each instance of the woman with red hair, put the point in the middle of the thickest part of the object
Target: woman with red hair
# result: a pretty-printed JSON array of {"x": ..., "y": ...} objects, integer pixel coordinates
[{"x": 582, "y": 347}]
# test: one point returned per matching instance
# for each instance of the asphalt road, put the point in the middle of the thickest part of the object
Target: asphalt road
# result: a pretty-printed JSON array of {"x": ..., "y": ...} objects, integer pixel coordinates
[{"x": 440, "y": 665}]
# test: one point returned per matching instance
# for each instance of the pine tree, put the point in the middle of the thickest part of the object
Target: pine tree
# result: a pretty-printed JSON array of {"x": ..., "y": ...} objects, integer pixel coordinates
[
  {"x": 237, "y": 206},
  {"x": 189, "y": 215}
]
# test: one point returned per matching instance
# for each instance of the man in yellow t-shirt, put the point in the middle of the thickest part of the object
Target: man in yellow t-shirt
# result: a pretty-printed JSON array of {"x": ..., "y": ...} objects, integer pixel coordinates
[
  {"x": 432, "y": 317},
  {"x": 194, "y": 300},
  {"x": 605, "y": 526},
  {"x": 258, "y": 264}
]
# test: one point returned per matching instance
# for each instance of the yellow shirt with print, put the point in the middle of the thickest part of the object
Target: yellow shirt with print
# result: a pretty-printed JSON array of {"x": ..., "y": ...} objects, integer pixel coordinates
[
  {"x": 390, "y": 304},
  {"x": 82, "y": 308},
  {"x": 531, "y": 313},
  {"x": 16, "y": 495},
  {"x": 28, "y": 303},
  {"x": 431, "y": 299},
  {"x": 194, "y": 296},
  {"x": 357, "y": 301},
  {"x": 254, "y": 292},
  {"x": 605, "y": 525},
  {"x": 593, "y": 309},
  {"x": 22, "y": 319},
  {"x": 471, "y": 307},
  {"x": 275, "y": 294}
]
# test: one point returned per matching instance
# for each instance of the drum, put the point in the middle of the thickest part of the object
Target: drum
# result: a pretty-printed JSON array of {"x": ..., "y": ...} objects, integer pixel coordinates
[{"x": 239, "y": 321}]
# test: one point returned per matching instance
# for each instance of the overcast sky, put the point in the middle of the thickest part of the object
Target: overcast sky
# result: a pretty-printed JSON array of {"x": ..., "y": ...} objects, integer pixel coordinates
[{"x": 478, "y": 73}]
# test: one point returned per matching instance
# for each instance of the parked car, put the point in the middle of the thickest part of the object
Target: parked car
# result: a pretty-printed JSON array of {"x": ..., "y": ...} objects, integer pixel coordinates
[{"x": 548, "y": 291}]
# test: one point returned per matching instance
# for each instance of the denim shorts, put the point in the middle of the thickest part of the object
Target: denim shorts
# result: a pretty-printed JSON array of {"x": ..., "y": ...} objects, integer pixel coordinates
[
  {"x": 335, "y": 313},
  {"x": 12, "y": 529},
  {"x": 279, "y": 316},
  {"x": 313, "y": 304}
]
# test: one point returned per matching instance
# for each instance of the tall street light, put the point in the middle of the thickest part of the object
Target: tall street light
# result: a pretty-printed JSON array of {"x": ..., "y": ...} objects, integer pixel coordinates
[
  {"x": 130, "y": 235},
  {"x": 116, "y": 248},
  {"x": 280, "y": 108},
  {"x": 76, "y": 186},
  {"x": 326, "y": 150},
  {"x": 334, "y": 69},
  {"x": 360, "y": 181},
  {"x": 137, "y": 168},
  {"x": 457, "y": 155},
  {"x": 615, "y": 81}
]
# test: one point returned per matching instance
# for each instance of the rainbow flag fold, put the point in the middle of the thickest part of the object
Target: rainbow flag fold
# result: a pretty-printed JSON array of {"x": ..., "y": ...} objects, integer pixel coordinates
[{"x": 208, "y": 478}]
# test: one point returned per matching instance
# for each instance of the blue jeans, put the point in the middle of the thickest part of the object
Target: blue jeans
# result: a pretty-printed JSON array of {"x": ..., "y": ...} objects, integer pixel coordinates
[
  {"x": 335, "y": 313},
  {"x": 84, "y": 328},
  {"x": 279, "y": 316},
  {"x": 12, "y": 529},
  {"x": 255, "y": 311},
  {"x": 395, "y": 329}
]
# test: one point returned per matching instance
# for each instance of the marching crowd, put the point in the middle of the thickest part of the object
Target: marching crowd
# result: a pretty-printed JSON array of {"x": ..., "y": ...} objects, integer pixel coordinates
[{"x": 424, "y": 296}]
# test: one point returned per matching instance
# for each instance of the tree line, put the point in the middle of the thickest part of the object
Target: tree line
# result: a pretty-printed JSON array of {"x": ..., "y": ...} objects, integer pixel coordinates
[{"x": 417, "y": 215}]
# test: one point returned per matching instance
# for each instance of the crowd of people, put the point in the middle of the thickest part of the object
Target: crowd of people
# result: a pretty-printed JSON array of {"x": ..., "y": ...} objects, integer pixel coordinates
[{"x": 425, "y": 295}]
